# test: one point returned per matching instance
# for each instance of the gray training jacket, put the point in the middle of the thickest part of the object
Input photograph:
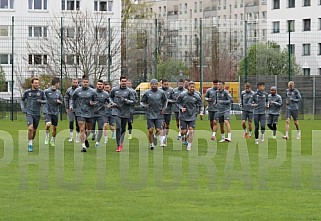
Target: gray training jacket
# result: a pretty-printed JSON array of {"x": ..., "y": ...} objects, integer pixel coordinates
[
  {"x": 68, "y": 96},
  {"x": 80, "y": 101},
  {"x": 34, "y": 99},
  {"x": 169, "y": 95},
  {"x": 192, "y": 102},
  {"x": 123, "y": 98},
  {"x": 275, "y": 104},
  {"x": 100, "y": 108},
  {"x": 154, "y": 102},
  {"x": 293, "y": 97},
  {"x": 245, "y": 97},
  {"x": 52, "y": 107},
  {"x": 260, "y": 99},
  {"x": 176, "y": 93},
  {"x": 211, "y": 99},
  {"x": 224, "y": 100}
]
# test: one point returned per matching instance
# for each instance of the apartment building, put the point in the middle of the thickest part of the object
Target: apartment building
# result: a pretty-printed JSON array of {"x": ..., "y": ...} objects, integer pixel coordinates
[
  {"x": 303, "y": 19},
  {"x": 27, "y": 26}
]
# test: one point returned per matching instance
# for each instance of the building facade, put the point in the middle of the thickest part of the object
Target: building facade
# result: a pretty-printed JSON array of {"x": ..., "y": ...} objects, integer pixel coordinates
[{"x": 38, "y": 37}]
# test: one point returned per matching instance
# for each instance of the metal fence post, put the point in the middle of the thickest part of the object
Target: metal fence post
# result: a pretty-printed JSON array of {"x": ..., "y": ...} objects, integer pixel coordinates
[
  {"x": 245, "y": 52},
  {"x": 109, "y": 56},
  {"x": 156, "y": 51},
  {"x": 289, "y": 50},
  {"x": 61, "y": 59},
  {"x": 201, "y": 56},
  {"x": 12, "y": 64}
]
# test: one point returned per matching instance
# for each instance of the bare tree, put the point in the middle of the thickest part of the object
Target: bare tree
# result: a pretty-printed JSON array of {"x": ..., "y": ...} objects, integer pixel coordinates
[{"x": 80, "y": 43}]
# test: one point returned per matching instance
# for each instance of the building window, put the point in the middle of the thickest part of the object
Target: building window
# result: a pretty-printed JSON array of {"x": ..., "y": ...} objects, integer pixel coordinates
[
  {"x": 276, "y": 27},
  {"x": 70, "y": 32},
  {"x": 195, "y": 7},
  {"x": 276, "y": 4},
  {"x": 6, "y": 59},
  {"x": 185, "y": 8},
  {"x": 6, "y": 4},
  {"x": 4, "y": 31},
  {"x": 38, "y": 4},
  {"x": 306, "y": 49},
  {"x": 201, "y": 6},
  {"x": 263, "y": 14},
  {"x": 290, "y": 26},
  {"x": 37, "y": 32},
  {"x": 103, "y": 6},
  {"x": 306, "y": 2},
  {"x": 319, "y": 19},
  {"x": 291, "y": 48},
  {"x": 70, "y": 5},
  {"x": 319, "y": 71},
  {"x": 306, "y": 24},
  {"x": 37, "y": 59},
  {"x": 319, "y": 48},
  {"x": 291, "y": 3},
  {"x": 306, "y": 71}
]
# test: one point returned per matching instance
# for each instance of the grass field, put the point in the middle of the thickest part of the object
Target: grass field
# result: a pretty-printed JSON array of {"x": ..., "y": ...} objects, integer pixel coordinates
[{"x": 212, "y": 182}]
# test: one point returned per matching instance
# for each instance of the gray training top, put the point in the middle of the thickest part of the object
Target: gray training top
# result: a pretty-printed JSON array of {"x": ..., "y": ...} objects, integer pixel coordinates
[
  {"x": 275, "y": 103},
  {"x": 176, "y": 93},
  {"x": 245, "y": 97},
  {"x": 52, "y": 107},
  {"x": 224, "y": 100},
  {"x": 123, "y": 98},
  {"x": 154, "y": 101},
  {"x": 68, "y": 96},
  {"x": 34, "y": 99},
  {"x": 80, "y": 101},
  {"x": 132, "y": 106},
  {"x": 169, "y": 95},
  {"x": 192, "y": 102},
  {"x": 293, "y": 97},
  {"x": 260, "y": 100},
  {"x": 211, "y": 99},
  {"x": 100, "y": 108}
]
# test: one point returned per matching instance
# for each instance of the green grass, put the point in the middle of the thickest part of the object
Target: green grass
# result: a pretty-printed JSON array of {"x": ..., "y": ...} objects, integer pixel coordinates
[{"x": 162, "y": 193}]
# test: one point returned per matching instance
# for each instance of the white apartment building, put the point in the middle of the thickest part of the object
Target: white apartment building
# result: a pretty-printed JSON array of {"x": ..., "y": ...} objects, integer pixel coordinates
[
  {"x": 227, "y": 16},
  {"x": 303, "y": 17},
  {"x": 26, "y": 27}
]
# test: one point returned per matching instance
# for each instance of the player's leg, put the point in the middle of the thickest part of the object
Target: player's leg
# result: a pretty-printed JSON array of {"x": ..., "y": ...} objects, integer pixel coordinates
[
  {"x": 29, "y": 119},
  {"x": 100, "y": 125},
  {"x": 213, "y": 124},
  {"x": 150, "y": 128},
  {"x": 183, "y": 125},
  {"x": 191, "y": 130},
  {"x": 123, "y": 125},
  {"x": 54, "y": 122},
  {"x": 130, "y": 125},
  {"x": 118, "y": 132},
  {"x": 287, "y": 123},
  {"x": 82, "y": 132},
  {"x": 71, "y": 117},
  {"x": 228, "y": 126},
  {"x": 89, "y": 128},
  {"x": 220, "y": 120},
  {"x": 262, "y": 120},
  {"x": 295, "y": 116},
  {"x": 93, "y": 128},
  {"x": 179, "y": 136},
  {"x": 249, "y": 120},
  {"x": 275, "y": 122},
  {"x": 270, "y": 122},
  {"x": 112, "y": 126},
  {"x": 257, "y": 126},
  {"x": 164, "y": 133},
  {"x": 105, "y": 129},
  {"x": 47, "y": 127},
  {"x": 243, "y": 118}
]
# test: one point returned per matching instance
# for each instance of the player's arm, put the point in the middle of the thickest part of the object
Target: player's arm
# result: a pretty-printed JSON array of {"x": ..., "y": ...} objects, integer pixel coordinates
[
  {"x": 60, "y": 98},
  {"x": 22, "y": 102},
  {"x": 144, "y": 101},
  {"x": 66, "y": 99},
  {"x": 278, "y": 101},
  {"x": 207, "y": 95},
  {"x": 200, "y": 105},
  {"x": 229, "y": 99},
  {"x": 252, "y": 101},
  {"x": 164, "y": 101},
  {"x": 43, "y": 99},
  {"x": 297, "y": 97}
]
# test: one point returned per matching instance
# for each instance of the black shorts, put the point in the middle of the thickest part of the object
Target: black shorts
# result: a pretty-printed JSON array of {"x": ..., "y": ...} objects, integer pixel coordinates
[
  {"x": 211, "y": 115},
  {"x": 157, "y": 123},
  {"x": 176, "y": 115},
  {"x": 272, "y": 119},
  {"x": 85, "y": 119},
  {"x": 293, "y": 113},
  {"x": 187, "y": 124},
  {"x": 167, "y": 118},
  {"x": 53, "y": 119},
  {"x": 110, "y": 119},
  {"x": 247, "y": 115},
  {"x": 222, "y": 116},
  {"x": 34, "y": 120}
]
